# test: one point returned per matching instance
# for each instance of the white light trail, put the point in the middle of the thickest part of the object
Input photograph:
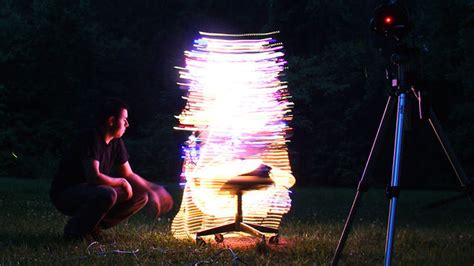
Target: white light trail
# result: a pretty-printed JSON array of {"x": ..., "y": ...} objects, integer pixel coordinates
[{"x": 237, "y": 110}]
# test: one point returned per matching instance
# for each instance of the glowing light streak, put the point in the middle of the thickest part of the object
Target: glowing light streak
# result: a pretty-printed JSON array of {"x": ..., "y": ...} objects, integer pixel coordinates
[{"x": 237, "y": 110}]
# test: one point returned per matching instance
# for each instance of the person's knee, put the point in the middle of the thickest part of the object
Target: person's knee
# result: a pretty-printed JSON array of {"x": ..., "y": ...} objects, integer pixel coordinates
[{"x": 106, "y": 195}]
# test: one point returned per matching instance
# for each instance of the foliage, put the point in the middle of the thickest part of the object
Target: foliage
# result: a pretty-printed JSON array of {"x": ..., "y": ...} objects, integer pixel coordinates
[
  {"x": 158, "y": 150},
  {"x": 58, "y": 59},
  {"x": 330, "y": 109}
]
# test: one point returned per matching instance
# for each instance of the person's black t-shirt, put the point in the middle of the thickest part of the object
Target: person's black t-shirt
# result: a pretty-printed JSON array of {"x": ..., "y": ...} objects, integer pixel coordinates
[{"x": 89, "y": 144}]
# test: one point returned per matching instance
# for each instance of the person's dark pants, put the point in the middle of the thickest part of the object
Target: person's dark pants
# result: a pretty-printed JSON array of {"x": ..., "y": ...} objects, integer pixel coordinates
[{"x": 94, "y": 207}]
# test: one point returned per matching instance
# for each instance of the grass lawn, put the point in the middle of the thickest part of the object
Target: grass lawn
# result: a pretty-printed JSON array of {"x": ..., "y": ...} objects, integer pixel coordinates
[{"x": 31, "y": 232}]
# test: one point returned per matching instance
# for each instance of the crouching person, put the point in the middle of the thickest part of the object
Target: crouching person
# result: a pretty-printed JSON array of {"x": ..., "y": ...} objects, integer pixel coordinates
[{"x": 83, "y": 188}]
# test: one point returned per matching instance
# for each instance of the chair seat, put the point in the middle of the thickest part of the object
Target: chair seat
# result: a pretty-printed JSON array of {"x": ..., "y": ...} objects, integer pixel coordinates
[{"x": 245, "y": 183}]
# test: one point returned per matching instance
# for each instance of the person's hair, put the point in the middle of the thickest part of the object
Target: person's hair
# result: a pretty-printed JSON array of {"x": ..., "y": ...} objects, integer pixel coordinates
[{"x": 110, "y": 107}]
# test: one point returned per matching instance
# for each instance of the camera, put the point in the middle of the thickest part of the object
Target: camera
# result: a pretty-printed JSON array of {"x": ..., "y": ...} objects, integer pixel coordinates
[{"x": 391, "y": 20}]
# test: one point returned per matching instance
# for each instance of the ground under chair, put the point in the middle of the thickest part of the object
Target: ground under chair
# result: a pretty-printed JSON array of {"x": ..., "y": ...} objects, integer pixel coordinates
[{"x": 256, "y": 180}]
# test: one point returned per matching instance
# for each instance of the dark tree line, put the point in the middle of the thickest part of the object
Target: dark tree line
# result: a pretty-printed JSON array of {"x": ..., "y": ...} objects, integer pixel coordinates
[{"x": 59, "y": 58}]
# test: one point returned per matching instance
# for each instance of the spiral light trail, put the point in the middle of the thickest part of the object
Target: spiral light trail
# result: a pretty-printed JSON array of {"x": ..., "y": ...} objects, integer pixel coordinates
[{"x": 237, "y": 111}]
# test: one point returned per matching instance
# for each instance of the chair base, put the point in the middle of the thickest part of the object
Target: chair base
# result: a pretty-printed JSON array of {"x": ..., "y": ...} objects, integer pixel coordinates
[
  {"x": 252, "y": 229},
  {"x": 237, "y": 186}
]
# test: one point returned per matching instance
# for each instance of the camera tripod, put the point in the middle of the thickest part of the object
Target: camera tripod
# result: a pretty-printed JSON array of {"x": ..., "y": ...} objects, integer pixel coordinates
[{"x": 401, "y": 88}]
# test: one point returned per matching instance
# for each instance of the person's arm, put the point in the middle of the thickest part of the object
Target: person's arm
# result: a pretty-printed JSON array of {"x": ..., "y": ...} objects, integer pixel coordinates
[
  {"x": 160, "y": 200},
  {"x": 94, "y": 176},
  {"x": 137, "y": 182}
]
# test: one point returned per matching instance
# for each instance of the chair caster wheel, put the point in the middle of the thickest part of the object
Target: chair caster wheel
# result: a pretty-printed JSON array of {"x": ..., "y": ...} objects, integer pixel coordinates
[
  {"x": 200, "y": 242},
  {"x": 219, "y": 238},
  {"x": 262, "y": 244},
  {"x": 274, "y": 239}
]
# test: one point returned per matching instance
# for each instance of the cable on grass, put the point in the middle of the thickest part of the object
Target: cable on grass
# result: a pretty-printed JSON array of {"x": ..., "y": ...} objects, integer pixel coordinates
[
  {"x": 102, "y": 251},
  {"x": 215, "y": 258}
]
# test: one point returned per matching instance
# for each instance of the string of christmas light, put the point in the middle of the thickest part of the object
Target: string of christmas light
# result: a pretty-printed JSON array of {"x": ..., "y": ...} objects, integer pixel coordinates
[{"x": 237, "y": 111}]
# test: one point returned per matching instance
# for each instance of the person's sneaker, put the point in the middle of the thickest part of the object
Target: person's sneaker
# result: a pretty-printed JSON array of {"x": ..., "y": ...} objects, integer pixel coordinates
[{"x": 96, "y": 234}]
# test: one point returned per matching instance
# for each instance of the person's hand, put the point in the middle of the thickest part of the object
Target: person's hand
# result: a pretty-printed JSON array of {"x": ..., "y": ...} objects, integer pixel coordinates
[
  {"x": 160, "y": 200},
  {"x": 125, "y": 185}
]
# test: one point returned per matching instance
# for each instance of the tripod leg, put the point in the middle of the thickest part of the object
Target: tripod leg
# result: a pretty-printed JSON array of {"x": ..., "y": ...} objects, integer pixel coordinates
[
  {"x": 393, "y": 190},
  {"x": 466, "y": 183},
  {"x": 362, "y": 187}
]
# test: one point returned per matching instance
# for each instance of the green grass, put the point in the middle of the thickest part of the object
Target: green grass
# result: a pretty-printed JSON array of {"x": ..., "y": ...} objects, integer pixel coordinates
[{"x": 31, "y": 232}]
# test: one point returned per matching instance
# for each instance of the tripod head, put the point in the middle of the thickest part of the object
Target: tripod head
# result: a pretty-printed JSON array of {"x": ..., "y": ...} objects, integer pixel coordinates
[{"x": 391, "y": 24}]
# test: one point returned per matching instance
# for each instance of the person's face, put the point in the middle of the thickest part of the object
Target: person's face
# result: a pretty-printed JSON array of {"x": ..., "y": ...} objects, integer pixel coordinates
[{"x": 120, "y": 124}]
